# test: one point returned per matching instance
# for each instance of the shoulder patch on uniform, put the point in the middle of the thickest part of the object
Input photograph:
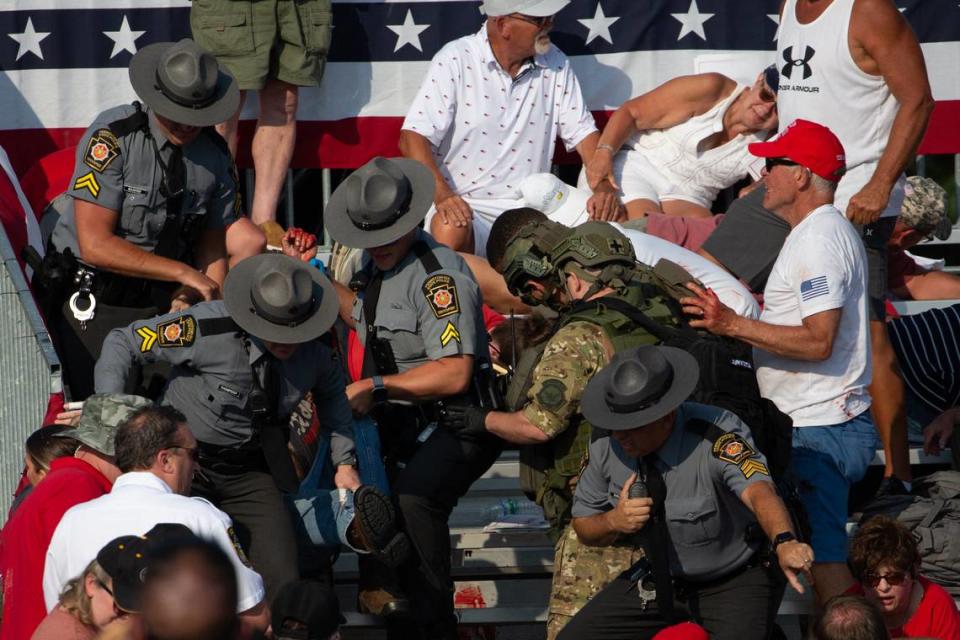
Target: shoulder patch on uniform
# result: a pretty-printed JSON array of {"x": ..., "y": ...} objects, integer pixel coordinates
[
  {"x": 89, "y": 182},
  {"x": 449, "y": 333},
  {"x": 102, "y": 149},
  {"x": 179, "y": 332},
  {"x": 148, "y": 338},
  {"x": 441, "y": 293},
  {"x": 732, "y": 449},
  {"x": 750, "y": 467},
  {"x": 238, "y": 548},
  {"x": 552, "y": 393}
]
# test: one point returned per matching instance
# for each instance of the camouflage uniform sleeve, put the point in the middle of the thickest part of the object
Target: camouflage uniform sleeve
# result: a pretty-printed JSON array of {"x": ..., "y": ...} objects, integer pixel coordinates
[
  {"x": 571, "y": 358},
  {"x": 98, "y": 170}
]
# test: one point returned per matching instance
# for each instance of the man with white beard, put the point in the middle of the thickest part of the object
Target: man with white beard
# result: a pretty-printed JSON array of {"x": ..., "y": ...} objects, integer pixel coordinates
[{"x": 488, "y": 114}]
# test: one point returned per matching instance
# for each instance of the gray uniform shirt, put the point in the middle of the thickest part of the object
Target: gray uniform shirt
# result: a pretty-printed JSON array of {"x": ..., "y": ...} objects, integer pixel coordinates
[
  {"x": 123, "y": 175},
  {"x": 213, "y": 376},
  {"x": 706, "y": 519},
  {"x": 427, "y": 316}
]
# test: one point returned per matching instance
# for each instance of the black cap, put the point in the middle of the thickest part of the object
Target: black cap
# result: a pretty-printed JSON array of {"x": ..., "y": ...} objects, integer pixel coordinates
[
  {"x": 125, "y": 560},
  {"x": 309, "y": 602}
]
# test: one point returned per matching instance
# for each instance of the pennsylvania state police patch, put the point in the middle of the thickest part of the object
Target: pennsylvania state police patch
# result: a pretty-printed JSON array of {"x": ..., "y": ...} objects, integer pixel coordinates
[
  {"x": 180, "y": 332},
  {"x": 732, "y": 448},
  {"x": 441, "y": 293},
  {"x": 102, "y": 149}
]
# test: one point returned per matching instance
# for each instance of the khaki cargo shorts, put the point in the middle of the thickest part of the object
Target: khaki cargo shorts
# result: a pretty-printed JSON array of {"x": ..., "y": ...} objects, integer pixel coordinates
[{"x": 261, "y": 39}]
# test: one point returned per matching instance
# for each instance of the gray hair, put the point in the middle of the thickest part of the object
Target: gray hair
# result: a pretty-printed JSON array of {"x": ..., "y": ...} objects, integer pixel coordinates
[{"x": 822, "y": 184}]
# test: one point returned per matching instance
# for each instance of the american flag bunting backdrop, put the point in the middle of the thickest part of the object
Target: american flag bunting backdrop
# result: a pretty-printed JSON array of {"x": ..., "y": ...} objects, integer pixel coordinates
[{"x": 66, "y": 60}]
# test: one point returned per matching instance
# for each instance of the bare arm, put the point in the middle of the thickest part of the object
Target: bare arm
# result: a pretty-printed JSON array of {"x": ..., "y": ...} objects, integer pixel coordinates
[
  {"x": 762, "y": 499},
  {"x": 669, "y": 104},
  {"x": 812, "y": 340},
  {"x": 212, "y": 254},
  {"x": 255, "y": 618},
  {"x": 102, "y": 248},
  {"x": 882, "y": 43},
  {"x": 929, "y": 285},
  {"x": 345, "y": 297},
  {"x": 450, "y": 206},
  {"x": 440, "y": 378},
  {"x": 514, "y": 427}
]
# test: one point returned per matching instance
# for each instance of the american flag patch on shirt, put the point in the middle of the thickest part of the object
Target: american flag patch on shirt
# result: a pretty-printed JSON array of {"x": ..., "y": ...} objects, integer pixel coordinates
[{"x": 814, "y": 288}]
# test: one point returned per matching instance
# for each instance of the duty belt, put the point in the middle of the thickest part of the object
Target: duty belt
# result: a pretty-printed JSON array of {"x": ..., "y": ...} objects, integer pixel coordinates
[{"x": 232, "y": 460}]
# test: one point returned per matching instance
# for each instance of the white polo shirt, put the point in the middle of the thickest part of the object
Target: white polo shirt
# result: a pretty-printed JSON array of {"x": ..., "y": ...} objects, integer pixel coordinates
[
  {"x": 821, "y": 266},
  {"x": 138, "y": 502},
  {"x": 488, "y": 130}
]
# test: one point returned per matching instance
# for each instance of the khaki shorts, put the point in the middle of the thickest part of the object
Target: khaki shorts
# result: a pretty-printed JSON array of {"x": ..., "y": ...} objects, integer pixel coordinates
[{"x": 262, "y": 39}]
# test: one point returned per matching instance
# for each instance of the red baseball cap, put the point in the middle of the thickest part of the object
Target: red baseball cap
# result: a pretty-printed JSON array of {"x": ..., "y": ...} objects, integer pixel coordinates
[
  {"x": 683, "y": 631},
  {"x": 808, "y": 144}
]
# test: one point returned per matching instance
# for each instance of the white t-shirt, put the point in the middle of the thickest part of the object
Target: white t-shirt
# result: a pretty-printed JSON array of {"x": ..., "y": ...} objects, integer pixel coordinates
[
  {"x": 488, "y": 130},
  {"x": 138, "y": 502},
  {"x": 821, "y": 266},
  {"x": 651, "y": 249}
]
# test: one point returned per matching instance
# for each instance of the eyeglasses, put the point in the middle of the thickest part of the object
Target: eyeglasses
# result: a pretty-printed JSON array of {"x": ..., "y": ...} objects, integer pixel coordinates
[
  {"x": 765, "y": 94},
  {"x": 773, "y": 162},
  {"x": 540, "y": 21},
  {"x": 192, "y": 452},
  {"x": 893, "y": 579},
  {"x": 105, "y": 587}
]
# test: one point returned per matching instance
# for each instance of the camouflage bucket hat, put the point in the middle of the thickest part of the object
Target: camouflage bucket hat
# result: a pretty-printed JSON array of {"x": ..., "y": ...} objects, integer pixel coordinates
[
  {"x": 925, "y": 208},
  {"x": 102, "y": 414}
]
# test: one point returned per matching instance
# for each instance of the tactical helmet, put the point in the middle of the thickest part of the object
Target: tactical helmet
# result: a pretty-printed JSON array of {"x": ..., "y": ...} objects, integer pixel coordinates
[
  {"x": 595, "y": 245},
  {"x": 528, "y": 257}
]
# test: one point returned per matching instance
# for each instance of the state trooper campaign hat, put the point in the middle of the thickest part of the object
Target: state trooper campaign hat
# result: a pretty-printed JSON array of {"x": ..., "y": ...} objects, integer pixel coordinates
[
  {"x": 380, "y": 202},
  {"x": 182, "y": 82},
  {"x": 311, "y": 603},
  {"x": 639, "y": 386},
  {"x": 102, "y": 414},
  {"x": 535, "y": 8},
  {"x": 925, "y": 208},
  {"x": 280, "y": 299}
]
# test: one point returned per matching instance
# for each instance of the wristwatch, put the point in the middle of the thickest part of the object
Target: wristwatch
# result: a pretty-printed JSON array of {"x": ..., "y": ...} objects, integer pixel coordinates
[
  {"x": 379, "y": 390},
  {"x": 350, "y": 461},
  {"x": 780, "y": 538}
]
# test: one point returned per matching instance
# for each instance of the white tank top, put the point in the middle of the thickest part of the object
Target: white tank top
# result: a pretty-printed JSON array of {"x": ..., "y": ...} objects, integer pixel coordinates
[
  {"x": 819, "y": 81},
  {"x": 697, "y": 176}
]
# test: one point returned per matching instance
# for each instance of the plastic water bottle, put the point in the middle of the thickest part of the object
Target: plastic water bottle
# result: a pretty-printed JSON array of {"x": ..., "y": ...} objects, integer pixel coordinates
[{"x": 513, "y": 507}]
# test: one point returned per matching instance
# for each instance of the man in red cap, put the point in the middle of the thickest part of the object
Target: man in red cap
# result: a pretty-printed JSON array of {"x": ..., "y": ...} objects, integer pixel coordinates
[{"x": 812, "y": 341}]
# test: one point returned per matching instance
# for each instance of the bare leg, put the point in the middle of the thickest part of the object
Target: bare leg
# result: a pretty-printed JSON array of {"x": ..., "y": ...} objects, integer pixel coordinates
[
  {"x": 685, "y": 209},
  {"x": 830, "y": 579},
  {"x": 228, "y": 129},
  {"x": 636, "y": 209},
  {"x": 272, "y": 147},
  {"x": 889, "y": 413},
  {"x": 457, "y": 238},
  {"x": 493, "y": 286},
  {"x": 244, "y": 239}
]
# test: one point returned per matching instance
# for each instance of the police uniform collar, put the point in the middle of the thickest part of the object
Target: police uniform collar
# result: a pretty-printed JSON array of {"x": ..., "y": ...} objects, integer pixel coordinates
[
  {"x": 256, "y": 350},
  {"x": 141, "y": 479},
  {"x": 671, "y": 452}
]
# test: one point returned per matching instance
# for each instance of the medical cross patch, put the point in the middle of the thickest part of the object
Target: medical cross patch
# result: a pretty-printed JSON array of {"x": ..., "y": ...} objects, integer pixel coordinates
[
  {"x": 102, "y": 149},
  {"x": 441, "y": 293},
  {"x": 732, "y": 448},
  {"x": 177, "y": 333}
]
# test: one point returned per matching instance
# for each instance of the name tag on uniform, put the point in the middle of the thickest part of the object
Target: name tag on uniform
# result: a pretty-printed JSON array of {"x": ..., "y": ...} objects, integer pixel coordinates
[
  {"x": 226, "y": 389},
  {"x": 135, "y": 191}
]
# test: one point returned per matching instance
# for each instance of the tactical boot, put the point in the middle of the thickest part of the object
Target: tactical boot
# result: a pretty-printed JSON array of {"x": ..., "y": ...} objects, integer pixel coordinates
[
  {"x": 374, "y": 527},
  {"x": 381, "y": 601}
]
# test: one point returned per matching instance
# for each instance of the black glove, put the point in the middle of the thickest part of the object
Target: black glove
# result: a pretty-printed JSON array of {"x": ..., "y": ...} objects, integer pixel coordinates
[{"x": 464, "y": 421}]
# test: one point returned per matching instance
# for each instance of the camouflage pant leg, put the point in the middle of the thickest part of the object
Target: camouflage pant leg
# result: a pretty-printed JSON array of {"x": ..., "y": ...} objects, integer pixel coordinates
[{"x": 579, "y": 572}]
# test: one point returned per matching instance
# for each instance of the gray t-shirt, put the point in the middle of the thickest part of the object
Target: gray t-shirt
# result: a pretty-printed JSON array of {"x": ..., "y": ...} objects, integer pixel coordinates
[{"x": 706, "y": 519}]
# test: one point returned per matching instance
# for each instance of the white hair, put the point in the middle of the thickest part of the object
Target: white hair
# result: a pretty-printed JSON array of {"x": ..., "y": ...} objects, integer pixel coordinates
[{"x": 822, "y": 184}]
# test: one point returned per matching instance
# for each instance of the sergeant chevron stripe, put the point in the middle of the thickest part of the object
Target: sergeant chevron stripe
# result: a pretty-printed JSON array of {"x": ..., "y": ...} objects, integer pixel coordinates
[
  {"x": 148, "y": 339},
  {"x": 750, "y": 467},
  {"x": 89, "y": 182},
  {"x": 449, "y": 333}
]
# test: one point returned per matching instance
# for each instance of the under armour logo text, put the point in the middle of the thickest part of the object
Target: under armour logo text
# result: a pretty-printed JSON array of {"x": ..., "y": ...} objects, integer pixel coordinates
[{"x": 797, "y": 62}]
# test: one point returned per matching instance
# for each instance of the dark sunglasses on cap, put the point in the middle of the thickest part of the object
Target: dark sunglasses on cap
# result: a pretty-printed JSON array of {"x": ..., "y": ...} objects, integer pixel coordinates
[
  {"x": 894, "y": 579},
  {"x": 772, "y": 162},
  {"x": 540, "y": 21}
]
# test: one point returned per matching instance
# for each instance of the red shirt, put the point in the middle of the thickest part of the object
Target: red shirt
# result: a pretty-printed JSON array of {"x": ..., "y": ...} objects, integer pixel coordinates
[
  {"x": 935, "y": 617},
  {"x": 27, "y": 534}
]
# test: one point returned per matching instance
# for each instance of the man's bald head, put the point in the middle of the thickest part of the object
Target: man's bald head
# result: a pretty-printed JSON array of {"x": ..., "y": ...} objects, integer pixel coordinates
[{"x": 190, "y": 593}]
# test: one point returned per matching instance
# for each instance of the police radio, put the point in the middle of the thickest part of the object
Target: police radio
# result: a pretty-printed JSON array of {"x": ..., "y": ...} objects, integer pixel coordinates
[{"x": 638, "y": 490}]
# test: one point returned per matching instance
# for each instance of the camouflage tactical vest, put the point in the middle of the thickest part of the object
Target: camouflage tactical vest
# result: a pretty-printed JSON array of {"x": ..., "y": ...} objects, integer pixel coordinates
[{"x": 548, "y": 471}]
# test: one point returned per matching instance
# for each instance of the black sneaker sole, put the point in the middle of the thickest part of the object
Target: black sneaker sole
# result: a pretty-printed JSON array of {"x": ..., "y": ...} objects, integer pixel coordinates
[{"x": 376, "y": 518}]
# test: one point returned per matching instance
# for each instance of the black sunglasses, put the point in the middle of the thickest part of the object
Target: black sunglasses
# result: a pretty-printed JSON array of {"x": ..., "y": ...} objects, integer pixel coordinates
[
  {"x": 540, "y": 21},
  {"x": 772, "y": 162},
  {"x": 894, "y": 579}
]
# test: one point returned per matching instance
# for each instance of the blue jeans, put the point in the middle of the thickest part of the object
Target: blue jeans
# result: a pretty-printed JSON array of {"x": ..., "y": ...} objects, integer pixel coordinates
[
  {"x": 322, "y": 516},
  {"x": 826, "y": 462}
]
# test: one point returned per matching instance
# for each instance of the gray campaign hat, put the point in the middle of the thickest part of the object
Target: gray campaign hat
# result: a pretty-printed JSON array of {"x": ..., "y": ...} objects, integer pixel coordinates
[
  {"x": 102, "y": 414},
  {"x": 280, "y": 299},
  {"x": 380, "y": 202},
  {"x": 184, "y": 83},
  {"x": 536, "y": 8},
  {"x": 639, "y": 386}
]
